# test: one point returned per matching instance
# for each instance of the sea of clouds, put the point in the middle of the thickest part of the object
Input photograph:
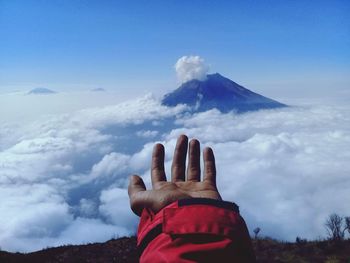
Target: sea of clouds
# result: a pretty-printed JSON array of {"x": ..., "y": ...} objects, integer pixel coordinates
[{"x": 63, "y": 176}]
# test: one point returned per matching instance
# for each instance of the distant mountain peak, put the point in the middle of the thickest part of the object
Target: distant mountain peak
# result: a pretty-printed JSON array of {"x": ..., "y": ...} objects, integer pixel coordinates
[
  {"x": 217, "y": 91},
  {"x": 41, "y": 91},
  {"x": 98, "y": 90}
]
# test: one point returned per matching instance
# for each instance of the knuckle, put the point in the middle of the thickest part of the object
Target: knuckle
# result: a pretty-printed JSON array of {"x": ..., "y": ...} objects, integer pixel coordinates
[
  {"x": 178, "y": 171},
  {"x": 210, "y": 170},
  {"x": 193, "y": 170}
]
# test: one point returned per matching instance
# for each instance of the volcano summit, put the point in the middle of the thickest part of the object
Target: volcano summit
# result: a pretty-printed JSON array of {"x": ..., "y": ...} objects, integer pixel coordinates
[{"x": 218, "y": 92}]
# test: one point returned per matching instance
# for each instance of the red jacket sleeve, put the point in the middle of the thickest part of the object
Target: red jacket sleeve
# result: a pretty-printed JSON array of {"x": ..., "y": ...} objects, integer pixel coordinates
[{"x": 194, "y": 230}]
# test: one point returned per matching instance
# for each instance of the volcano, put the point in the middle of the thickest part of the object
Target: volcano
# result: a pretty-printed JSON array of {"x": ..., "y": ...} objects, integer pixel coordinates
[{"x": 218, "y": 92}]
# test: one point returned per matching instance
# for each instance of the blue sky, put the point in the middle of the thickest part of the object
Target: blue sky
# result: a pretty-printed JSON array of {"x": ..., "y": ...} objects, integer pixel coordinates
[{"x": 273, "y": 47}]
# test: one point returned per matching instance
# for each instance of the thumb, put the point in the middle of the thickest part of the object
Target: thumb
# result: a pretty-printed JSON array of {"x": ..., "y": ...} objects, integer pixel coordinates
[{"x": 136, "y": 186}]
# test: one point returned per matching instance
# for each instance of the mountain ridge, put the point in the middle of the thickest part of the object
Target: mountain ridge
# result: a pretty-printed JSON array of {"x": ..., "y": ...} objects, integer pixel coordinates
[
  {"x": 124, "y": 250},
  {"x": 40, "y": 91}
]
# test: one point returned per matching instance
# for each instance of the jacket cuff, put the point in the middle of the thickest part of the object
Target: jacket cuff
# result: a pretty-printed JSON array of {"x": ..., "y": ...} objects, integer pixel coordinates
[{"x": 190, "y": 216}]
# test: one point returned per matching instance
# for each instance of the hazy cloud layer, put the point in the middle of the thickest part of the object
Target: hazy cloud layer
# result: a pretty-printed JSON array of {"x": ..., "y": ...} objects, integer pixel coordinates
[
  {"x": 191, "y": 67},
  {"x": 63, "y": 178}
]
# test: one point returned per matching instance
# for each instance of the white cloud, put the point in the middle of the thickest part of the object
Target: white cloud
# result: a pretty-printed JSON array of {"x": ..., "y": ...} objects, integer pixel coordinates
[
  {"x": 113, "y": 206},
  {"x": 87, "y": 207},
  {"x": 84, "y": 230},
  {"x": 191, "y": 67},
  {"x": 111, "y": 165},
  {"x": 31, "y": 211},
  {"x": 63, "y": 178},
  {"x": 147, "y": 133}
]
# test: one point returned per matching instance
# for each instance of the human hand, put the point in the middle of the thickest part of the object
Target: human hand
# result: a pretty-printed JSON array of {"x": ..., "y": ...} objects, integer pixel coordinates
[{"x": 164, "y": 192}]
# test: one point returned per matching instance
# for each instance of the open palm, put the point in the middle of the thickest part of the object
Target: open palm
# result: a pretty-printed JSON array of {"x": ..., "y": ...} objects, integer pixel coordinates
[{"x": 181, "y": 186}]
